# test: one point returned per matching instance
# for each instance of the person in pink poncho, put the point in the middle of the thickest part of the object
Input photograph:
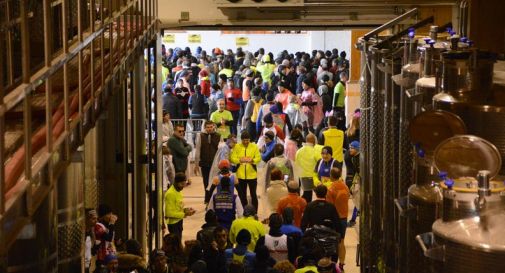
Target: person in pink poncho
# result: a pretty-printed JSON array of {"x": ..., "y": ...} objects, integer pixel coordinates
[{"x": 312, "y": 105}]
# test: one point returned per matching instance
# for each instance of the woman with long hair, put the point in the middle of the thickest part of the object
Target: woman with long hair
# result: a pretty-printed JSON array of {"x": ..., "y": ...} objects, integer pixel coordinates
[{"x": 352, "y": 132}]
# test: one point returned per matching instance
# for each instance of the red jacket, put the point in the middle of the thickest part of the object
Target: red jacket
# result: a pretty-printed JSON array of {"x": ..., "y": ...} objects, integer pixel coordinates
[
  {"x": 233, "y": 99},
  {"x": 205, "y": 84}
]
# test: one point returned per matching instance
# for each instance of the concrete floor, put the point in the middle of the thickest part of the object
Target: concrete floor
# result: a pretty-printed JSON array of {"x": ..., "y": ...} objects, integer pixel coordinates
[{"x": 193, "y": 197}]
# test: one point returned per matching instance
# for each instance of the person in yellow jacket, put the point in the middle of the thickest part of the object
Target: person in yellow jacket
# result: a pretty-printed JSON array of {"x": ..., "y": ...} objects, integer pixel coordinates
[
  {"x": 305, "y": 160},
  {"x": 266, "y": 69},
  {"x": 251, "y": 224},
  {"x": 246, "y": 156},
  {"x": 175, "y": 211},
  {"x": 334, "y": 138},
  {"x": 226, "y": 69}
]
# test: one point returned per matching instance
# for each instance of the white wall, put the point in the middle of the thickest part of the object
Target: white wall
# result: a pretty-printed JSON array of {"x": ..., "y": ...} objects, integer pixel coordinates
[
  {"x": 324, "y": 40},
  {"x": 328, "y": 40}
]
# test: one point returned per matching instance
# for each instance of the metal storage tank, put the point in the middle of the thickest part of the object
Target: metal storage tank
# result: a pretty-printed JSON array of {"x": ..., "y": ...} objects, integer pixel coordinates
[
  {"x": 474, "y": 244},
  {"x": 426, "y": 130},
  {"x": 461, "y": 157}
]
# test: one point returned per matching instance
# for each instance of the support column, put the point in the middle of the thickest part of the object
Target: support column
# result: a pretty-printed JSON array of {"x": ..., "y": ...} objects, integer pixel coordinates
[
  {"x": 139, "y": 151},
  {"x": 159, "y": 159}
]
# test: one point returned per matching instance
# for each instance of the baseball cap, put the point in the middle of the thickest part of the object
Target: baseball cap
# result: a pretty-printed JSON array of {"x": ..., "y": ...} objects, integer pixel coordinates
[
  {"x": 355, "y": 145},
  {"x": 224, "y": 163}
]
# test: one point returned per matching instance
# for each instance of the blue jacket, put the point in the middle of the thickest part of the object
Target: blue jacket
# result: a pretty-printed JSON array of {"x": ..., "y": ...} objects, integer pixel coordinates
[
  {"x": 241, "y": 254},
  {"x": 269, "y": 151}
]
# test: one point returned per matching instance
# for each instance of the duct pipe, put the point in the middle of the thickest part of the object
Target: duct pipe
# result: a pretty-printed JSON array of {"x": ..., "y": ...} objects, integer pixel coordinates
[{"x": 140, "y": 153}]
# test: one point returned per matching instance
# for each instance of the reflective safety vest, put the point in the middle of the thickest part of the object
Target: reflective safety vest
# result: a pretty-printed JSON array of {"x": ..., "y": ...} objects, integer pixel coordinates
[
  {"x": 224, "y": 206},
  {"x": 334, "y": 138}
]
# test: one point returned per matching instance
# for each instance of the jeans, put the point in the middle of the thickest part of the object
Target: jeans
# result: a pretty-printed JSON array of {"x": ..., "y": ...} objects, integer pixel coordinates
[
  {"x": 242, "y": 191},
  {"x": 354, "y": 214}
]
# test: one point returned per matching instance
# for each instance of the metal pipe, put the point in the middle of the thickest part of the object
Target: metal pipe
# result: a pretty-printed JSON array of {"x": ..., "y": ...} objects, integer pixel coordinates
[
  {"x": 391, "y": 23},
  {"x": 483, "y": 180},
  {"x": 375, "y": 3},
  {"x": 404, "y": 32},
  {"x": 463, "y": 18},
  {"x": 433, "y": 32}
]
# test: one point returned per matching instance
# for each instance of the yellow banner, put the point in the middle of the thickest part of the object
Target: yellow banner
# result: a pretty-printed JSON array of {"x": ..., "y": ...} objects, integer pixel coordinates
[
  {"x": 242, "y": 41},
  {"x": 168, "y": 39},
  {"x": 194, "y": 38}
]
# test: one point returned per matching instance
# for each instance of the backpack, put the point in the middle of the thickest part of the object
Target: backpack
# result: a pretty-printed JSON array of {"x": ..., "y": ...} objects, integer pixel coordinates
[
  {"x": 327, "y": 237},
  {"x": 256, "y": 110},
  {"x": 279, "y": 120}
]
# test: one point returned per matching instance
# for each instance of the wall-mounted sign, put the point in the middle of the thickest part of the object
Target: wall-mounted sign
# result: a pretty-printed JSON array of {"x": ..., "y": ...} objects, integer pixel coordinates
[
  {"x": 242, "y": 41},
  {"x": 194, "y": 38},
  {"x": 168, "y": 39}
]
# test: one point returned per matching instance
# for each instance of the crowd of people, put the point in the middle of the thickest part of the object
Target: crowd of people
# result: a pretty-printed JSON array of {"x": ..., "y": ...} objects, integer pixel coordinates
[{"x": 249, "y": 111}]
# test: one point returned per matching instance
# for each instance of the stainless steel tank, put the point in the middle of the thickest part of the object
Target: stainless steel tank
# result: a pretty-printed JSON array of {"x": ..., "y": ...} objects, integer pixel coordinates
[
  {"x": 426, "y": 86},
  {"x": 475, "y": 244},
  {"x": 459, "y": 202},
  {"x": 424, "y": 199},
  {"x": 461, "y": 157},
  {"x": 456, "y": 68},
  {"x": 70, "y": 215},
  {"x": 481, "y": 119}
]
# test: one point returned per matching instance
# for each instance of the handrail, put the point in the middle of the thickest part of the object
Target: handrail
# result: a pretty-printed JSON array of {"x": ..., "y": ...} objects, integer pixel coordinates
[{"x": 391, "y": 23}]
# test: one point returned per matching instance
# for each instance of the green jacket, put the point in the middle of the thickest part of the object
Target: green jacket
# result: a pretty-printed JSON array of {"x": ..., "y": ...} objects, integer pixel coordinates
[{"x": 180, "y": 151}]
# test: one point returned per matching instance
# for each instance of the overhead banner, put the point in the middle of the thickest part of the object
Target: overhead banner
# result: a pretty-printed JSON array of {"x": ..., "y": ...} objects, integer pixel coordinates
[
  {"x": 242, "y": 41},
  {"x": 194, "y": 38},
  {"x": 168, "y": 39}
]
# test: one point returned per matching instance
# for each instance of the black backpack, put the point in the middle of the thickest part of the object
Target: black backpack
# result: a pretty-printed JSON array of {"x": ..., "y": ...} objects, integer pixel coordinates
[{"x": 327, "y": 237}]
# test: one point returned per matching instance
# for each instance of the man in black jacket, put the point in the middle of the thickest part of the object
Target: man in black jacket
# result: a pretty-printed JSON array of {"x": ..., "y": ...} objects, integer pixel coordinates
[
  {"x": 318, "y": 211},
  {"x": 171, "y": 103},
  {"x": 205, "y": 150},
  {"x": 180, "y": 149}
]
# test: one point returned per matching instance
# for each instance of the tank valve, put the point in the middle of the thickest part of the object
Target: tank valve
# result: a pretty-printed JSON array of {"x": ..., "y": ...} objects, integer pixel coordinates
[
  {"x": 480, "y": 201},
  {"x": 484, "y": 190}
]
